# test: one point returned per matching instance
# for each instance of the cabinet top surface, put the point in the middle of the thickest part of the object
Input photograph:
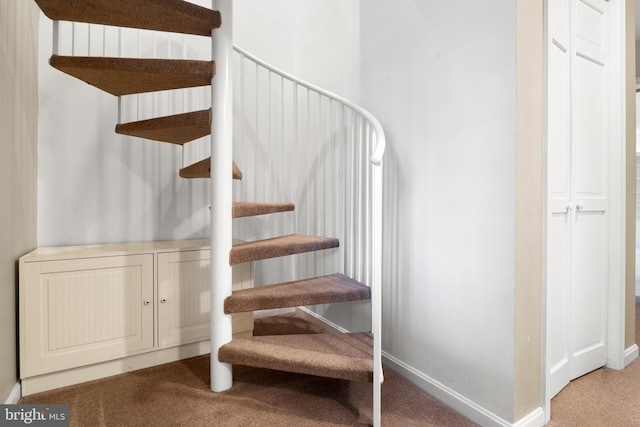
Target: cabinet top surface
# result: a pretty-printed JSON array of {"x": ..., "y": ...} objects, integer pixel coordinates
[{"x": 112, "y": 249}]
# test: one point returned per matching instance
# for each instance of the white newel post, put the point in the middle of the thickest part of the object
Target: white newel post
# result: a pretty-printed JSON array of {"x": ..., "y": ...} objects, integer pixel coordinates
[{"x": 221, "y": 192}]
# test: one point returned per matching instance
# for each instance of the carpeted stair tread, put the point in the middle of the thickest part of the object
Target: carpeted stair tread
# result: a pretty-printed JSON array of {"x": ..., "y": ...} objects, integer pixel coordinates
[
  {"x": 176, "y": 129},
  {"x": 342, "y": 356},
  {"x": 202, "y": 169},
  {"x": 160, "y": 15},
  {"x": 279, "y": 246},
  {"x": 126, "y": 76},
  {"x": 244, "y": 209},
  {"x": 319, "y": 290}
]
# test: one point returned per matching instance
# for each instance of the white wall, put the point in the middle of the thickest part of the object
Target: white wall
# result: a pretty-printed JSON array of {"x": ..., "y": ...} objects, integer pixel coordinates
[
  {"x": 316, "y": 41},
  {"x": 441, "y": 78}
]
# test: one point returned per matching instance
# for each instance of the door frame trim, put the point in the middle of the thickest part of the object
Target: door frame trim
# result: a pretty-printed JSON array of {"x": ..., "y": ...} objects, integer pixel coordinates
[{"x": 617, "y": 176}]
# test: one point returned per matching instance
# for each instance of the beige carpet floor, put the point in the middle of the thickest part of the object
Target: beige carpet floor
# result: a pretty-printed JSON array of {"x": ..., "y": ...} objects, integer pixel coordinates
[
  {"x": 177, "y": 394},
  {"x": 603, "y": 398}
]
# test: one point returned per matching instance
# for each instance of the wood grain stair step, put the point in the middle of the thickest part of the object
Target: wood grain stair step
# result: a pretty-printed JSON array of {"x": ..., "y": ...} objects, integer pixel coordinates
[
  {"x": 161, "y": 15},
  {"x": 202, "y": 169},
  {"x": 245, "y": 209},
  {"x": 342, "y": 356},
  {"x": 126, "y": 76},
  {"x": 279, "y": 246},
  {"x": 319, "y": 290},
  {"x": 176, "y": 129}
]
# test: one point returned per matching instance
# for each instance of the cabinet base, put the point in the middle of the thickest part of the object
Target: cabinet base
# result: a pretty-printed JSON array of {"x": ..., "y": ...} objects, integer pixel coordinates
[{"x": 45, "y": 382}]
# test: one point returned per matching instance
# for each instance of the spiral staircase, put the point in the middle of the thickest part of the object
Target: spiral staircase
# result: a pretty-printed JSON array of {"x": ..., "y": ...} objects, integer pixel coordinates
[{"x": 347, "y": 356}]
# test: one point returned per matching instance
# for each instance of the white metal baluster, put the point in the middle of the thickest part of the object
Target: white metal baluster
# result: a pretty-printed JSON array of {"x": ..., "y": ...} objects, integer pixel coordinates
[
  {"x": 281, "y": 190},
  {"x": 351, "y": 195},
  {"x": 345, "y": 191},
  {"x": 242, "y": 115},
  {"x": 265, "y": 192},
  {"x": 308, "y": 163},
  {"x": 360, "y": 184},
  {"x": 319, "y": 225},
  {"x": 295, "y": 140},
  {"x": 369, "y": 189},
  {"x": 333, "y": 161},
  {"x": 221, "y": 193},
  {"x": 342, "y": 165},
  {"x": 256, "y": 168},
  {"x": 322, "y": 186}
]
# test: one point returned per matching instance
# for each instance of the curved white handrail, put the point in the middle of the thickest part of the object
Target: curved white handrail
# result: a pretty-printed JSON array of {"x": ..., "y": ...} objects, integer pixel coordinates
[{"x": 378, "y": 152}]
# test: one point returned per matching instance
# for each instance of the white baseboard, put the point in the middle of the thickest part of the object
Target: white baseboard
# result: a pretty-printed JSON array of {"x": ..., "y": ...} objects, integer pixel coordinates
[
  {"x": 465, "y": 406},
  {"x": 460, "y": 403},
  {"x": 328, "y": 323},
  {"x": 534, "y": 419},
  {"x": 15, "y": 395},
  {"x": 630, "y": 354}
]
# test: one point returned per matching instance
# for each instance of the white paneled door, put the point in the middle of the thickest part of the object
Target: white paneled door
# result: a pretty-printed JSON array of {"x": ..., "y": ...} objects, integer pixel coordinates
[{"x": 578, "y": 155}]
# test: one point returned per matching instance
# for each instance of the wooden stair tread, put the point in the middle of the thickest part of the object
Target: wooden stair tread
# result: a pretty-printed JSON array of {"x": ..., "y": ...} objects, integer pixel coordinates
[
  {"x": 161, "y": 15},
  {"x": 202, "y": 169},
  {"x": 244, "y": 209},
  {"x": 342, "y": 356},
  {"x": 279, "y": 246},
  {"x": 126, "y": 76},
  {"x": 176, "y": 129},
  {"x": 319, "y": 290}
]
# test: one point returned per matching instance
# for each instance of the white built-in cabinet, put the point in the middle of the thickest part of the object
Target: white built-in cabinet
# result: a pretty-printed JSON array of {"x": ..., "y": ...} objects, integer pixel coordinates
[
  {"x": 578, "y": 155},
  {"x": 91, "y": 311},
  {"x": 183, "y": 311}
]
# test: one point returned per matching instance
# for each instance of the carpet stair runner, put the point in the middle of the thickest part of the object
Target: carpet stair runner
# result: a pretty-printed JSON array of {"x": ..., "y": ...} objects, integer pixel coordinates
[
  {"x": 202, "y": 169},
  {"x": 176, "y": 129},
  {"x": 128, "y": 76},
  {"x": 318, "y": 290},
  {"x": 159, "y": 15},
  {"x": 244, "y": 209},
  {"x": 344, "y": 356},
  {"x": 278, "y": 247}
]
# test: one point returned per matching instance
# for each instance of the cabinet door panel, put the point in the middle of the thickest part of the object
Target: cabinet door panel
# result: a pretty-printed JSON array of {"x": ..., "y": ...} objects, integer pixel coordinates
[
  {"x": 184, "y": 297},
  {"x": 84, "y": 311}
]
